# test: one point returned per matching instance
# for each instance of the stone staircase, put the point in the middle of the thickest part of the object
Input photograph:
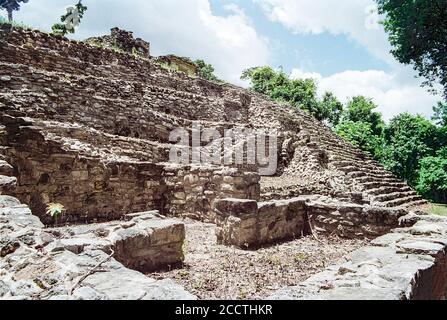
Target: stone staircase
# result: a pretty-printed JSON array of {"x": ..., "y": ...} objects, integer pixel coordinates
[{"x": 378, "y": 186}]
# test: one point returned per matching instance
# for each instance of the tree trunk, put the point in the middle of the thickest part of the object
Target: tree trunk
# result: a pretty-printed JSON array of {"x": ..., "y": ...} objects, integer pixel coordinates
[{"x": 10, "y": 15}]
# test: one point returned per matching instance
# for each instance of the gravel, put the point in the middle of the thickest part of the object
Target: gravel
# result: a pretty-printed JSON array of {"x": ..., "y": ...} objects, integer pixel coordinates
[{"x": 213, "y": 271}]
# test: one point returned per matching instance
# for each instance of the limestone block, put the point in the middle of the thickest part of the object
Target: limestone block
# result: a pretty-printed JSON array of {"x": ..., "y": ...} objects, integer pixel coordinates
[
  {"x": 150, "y": 244},
  {"x": 238, "y": 232},
  {"x": 32, "y": 274},
  {"x": 245, "y": 223},
  {"x": 236, "y": 207}
]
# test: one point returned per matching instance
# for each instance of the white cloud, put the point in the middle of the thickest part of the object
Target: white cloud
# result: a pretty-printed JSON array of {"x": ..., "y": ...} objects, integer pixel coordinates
[
  {"x": 388, "y": 92},
  {"x": 186, "y": 28},
  {"x": 351, "y": 17},
  {"x": 394, "y": 91},
  {"x": 300, "y": 74}
]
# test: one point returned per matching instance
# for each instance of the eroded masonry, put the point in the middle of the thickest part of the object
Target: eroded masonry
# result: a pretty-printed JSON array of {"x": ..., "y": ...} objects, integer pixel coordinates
[{"x": 88, "y": 127}]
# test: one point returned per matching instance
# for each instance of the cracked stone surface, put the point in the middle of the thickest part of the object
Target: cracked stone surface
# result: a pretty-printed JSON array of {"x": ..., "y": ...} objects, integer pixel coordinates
[
  {"x": 39, "y": 263},
  {"x": 409, "y": 263}
]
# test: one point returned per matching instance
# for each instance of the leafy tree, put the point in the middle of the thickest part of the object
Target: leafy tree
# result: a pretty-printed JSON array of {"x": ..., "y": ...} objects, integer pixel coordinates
[
  {"x": 362, "y": 126},
  {"x": 206, "y": 70},
  {"x": 432, "y": 180},
  {"x": 361, "y": 135},
  {"x": 440, "y": 114},
  {"x": 10, "y": 6},
  {"x": 442, "y": 136},
  {"x": 69, "y": 20},
  {"x": 262, "y": 79},
  {"x": 330, "y": 108},
  {"x": 360, "y": 109},
  {"x": 417, "y": 32},
  {"x": 408, "y": 140},
  {"x": 301, "y": 93}
]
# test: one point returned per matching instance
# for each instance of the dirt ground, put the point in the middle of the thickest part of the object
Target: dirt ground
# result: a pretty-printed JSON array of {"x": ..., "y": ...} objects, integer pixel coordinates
[{"x": 214, "y": 271}]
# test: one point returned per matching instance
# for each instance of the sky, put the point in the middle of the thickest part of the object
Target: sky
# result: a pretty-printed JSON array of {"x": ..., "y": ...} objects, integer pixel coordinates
[{"x": 338, "y": 43}]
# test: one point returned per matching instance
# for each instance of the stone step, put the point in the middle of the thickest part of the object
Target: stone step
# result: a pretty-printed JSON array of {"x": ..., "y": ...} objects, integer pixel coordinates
[
  {"x": 334, "y": 143},
  {"x": 364, "y": 176},
  {"x": 401, "y": 201},
  {"x": 392, "y": 196},
  {"x": 100, "y": 71},
  {"x": 367, "y": 172},
  {"x": 416, "y": 203},
  {"x": 376, "y": 171},
  {"x": 345, "y": 154},
  {"x": 374, "y": 185},
  {"x": 348, "y": 169},
  {"x": 342, "y": 160},
  {"x": 372, "y": 182},
  {"x": 88, "y": 91},
  {"x": 385, "y": 190},
  {"x": 347, "y": 157},
  {"x": 363, "y": 167},
  {"x": 101, "y": 85}
]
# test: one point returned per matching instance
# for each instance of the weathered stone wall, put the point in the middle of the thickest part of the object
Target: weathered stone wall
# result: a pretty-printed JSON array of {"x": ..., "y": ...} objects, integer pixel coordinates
[
  {"x": 191, "y": 190},
  {"x": 53, "y": 166},
  {"x": 125, "y": 85},
  {"x": 143, "y": 241},
  {"x": 122, "y": 40},
  {"x": 7, "y": 181},
  {"x": 351, "y": 220},
  {"x": 88, "y": 187},
  {"x": 247, "y": 223},
  {"x": 243, "y": 224}
]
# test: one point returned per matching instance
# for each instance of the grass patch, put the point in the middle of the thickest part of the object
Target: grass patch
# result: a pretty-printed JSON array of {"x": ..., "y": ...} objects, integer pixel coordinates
[
  {"x": 15, "y": 24},
  {"x": 438, "y": 209}
]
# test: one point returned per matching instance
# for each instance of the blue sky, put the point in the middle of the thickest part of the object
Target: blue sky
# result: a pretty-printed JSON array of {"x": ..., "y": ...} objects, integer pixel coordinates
[
  {"x": 334, "y": 42},
  {"x": 323, "y": 53}
]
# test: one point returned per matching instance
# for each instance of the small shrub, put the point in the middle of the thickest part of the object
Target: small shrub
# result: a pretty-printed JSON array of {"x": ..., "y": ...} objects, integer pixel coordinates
[{"x": 55, "y": 210}]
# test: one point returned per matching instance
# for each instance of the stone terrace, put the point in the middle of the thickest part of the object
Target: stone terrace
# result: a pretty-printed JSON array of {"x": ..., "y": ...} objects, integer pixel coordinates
[
  {"x": 89, "y": 128},
  {"x": 132, "y": 105}
]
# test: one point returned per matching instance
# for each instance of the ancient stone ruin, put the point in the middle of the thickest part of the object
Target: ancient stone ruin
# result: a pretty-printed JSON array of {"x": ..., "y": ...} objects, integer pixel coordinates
[
  {"x": 122, "y": 40},
  {"x": 178, "y": 64},
  {"x": 89, "y": 128}
]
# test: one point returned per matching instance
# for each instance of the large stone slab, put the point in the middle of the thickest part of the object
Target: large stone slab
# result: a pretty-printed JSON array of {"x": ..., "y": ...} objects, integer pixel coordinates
[
  {"x": 248, "y": 224},
  {"x": 145, "y": 242},
  {"x": 409, "y": 263},
  {"x": 86, "y": 262}
]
